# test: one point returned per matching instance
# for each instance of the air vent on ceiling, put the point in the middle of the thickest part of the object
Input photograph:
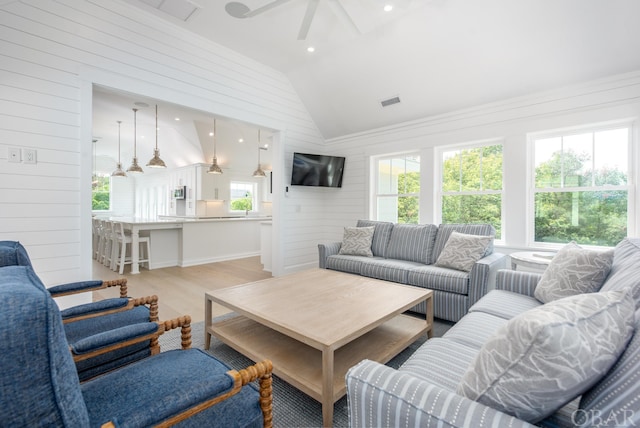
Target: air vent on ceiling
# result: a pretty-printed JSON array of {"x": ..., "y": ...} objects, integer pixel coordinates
[
  {"x": 180, "y": 9},
  {"x": 390, "y": 101}
]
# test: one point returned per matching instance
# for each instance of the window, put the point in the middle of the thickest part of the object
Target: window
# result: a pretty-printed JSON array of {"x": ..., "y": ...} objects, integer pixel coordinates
[
  {"x": 101, "y": 191},
  {"x": 472, "y": 186},
  {"x": 243, "y": 196},
  {"x": 398, "y": 189},
  {"x": 580, "y": 186}
]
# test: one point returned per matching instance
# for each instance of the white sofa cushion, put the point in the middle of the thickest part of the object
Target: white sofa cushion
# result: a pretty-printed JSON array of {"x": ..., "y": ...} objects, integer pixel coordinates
[
  {"x": 574, "y": 270},
  {"x": 356, "y": 241},
  {"x": 462, "y": 251},
  {"x": 547, "y": 356}
]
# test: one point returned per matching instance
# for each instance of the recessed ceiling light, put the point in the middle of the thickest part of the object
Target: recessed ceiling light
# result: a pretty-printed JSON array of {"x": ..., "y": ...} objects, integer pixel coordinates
[
  {"x": 210, "y": 134},
  {"x": 388, "y": 7},
  {"x": 177, "y": 118},
  {"x": 240, "y": 140},
  {"x": 311, "y": 49}
]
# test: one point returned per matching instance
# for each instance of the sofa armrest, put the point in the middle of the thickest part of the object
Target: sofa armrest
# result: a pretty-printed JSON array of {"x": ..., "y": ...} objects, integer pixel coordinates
[
  {"x": 85, "y": 286},
  {"x": 129, "y": 334},
  {"x": 517, "y": 281},
  {"x": 381, "y": 396},
  {"x": 326, "y": 250},
  {"x": 121, "y": 337},
  {"x": 110, "y": 306},
  {"x": 484, "y": 272}
]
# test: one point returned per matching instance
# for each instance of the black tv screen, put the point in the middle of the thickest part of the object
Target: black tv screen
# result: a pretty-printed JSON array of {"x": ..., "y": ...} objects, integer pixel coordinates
[{"x": 317, "y": 170}]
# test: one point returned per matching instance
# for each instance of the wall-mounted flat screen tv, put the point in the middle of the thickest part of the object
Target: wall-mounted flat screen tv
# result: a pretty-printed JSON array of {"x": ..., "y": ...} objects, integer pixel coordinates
[{"x": 317, "y": 170}]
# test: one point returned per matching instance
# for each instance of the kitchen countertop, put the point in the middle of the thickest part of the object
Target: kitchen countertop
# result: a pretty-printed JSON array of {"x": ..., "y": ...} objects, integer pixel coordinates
[
  {"x": 213, "y": 218},
  {"x": 162, "y": 219}
]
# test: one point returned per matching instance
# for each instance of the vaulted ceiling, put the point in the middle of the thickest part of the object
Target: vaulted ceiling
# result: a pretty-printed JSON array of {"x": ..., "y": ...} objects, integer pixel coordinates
[{"x": 436, "y": 56}]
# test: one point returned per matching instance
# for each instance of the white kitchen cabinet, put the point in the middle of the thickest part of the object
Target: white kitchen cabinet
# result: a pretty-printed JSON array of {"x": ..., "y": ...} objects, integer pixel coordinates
[
  {"x": 265, "y": 245},
  {"x": 210, "y": 187}
]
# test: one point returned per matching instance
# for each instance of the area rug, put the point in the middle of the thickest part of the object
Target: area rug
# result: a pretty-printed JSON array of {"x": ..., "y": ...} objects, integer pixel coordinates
[{"x": 291, "y": 408}]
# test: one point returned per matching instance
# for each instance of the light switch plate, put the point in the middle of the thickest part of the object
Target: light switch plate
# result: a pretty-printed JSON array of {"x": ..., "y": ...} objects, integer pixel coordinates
[
  {"x": 29, "y": 155},
  {"x": 14, "y": 154}
]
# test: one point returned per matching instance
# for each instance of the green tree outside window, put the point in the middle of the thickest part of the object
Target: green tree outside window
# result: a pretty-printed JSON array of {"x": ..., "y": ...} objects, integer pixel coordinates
[
  {"x": 398, "y": 189},
  {"x": 472, "y": 186},
  {"x": 589, "y": 216},
  {"x": 101, "y": 192}
]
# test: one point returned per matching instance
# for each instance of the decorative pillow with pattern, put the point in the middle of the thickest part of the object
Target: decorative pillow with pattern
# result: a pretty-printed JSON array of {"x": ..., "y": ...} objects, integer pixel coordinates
[
  {"x": 356, "y": 241},
  {"x": 574, "y": 270},
  {"x": 547, "y": 356},
  {"x": 462, "y": 251}
]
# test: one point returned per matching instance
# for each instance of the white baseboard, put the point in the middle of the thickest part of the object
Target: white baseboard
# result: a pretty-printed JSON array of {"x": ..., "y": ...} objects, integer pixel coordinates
[{"x": 195, "y": 262}]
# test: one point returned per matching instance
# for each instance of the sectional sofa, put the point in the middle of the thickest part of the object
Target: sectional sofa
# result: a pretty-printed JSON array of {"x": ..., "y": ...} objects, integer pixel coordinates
[
  {"x": 597, "y": 347},
  {"x": 407, "y": 253}
]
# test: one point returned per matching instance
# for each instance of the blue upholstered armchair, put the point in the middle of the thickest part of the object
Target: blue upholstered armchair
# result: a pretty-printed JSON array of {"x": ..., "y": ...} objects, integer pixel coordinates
[
  {"x": 39, "y": 385},
  {"x": 94, "y": 330}
]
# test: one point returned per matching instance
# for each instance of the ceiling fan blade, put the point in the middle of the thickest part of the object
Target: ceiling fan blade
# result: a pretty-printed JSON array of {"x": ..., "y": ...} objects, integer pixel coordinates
[
  {"x": 343, "y": 15},
  {"x": 265, "y": 8},
  {"x": 308, "y": 18}
]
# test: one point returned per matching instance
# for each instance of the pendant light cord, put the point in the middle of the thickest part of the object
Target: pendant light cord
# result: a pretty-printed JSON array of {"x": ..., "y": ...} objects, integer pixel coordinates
[{"x": 135, "y": 136}]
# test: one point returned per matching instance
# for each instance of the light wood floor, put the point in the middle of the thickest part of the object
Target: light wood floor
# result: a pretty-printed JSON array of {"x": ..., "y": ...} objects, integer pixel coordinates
[{"x": 180, "y": 290}]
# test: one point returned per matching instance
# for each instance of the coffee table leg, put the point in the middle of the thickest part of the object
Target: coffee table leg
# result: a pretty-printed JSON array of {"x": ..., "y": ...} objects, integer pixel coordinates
[
  {"x": 327, "y": 387},
  {"x": 430, "y": 315},
  {"x": 207, "y": 321}
]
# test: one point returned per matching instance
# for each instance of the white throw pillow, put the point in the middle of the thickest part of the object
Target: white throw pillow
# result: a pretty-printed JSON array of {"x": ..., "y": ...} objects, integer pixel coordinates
[
  {"x": 547, "y": 356},
  {"x": 574, "y": 270},
  {"x": 462, "y": 251},
  {"x": 356, "y": 241}
]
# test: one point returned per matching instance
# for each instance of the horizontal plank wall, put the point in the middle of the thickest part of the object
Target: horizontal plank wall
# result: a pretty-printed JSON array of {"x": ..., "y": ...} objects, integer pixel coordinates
[
  {"x": 50, "y": 54},
  {"x": 510, "y": 121}
]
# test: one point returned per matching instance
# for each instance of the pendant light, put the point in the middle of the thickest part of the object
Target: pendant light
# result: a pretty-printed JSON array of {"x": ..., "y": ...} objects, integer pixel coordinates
[
  {"x": 119, "y": 172},
  {"x": 214, "y": 168},
  {"x": 155, "y": 161},
  {"x": 134, "y": 168},
  {"x": 259, "y": 173}
]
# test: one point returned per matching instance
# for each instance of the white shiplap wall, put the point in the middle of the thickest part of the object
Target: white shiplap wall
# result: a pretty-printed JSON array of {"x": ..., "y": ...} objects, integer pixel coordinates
[
  {"x": 610, "y": 99},
  {"x": 51, "y": 52}
]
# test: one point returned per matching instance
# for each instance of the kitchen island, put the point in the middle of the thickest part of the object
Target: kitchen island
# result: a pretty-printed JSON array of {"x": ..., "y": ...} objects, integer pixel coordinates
[{"x": 189, "y": 241}]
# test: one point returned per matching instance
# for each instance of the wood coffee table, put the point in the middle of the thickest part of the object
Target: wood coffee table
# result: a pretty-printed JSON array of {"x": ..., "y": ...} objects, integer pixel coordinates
[{"x": 315, "y": 325}]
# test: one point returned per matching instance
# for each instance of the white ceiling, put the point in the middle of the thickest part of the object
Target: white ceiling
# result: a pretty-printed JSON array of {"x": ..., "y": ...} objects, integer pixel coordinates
[
  {"x": 436, "y": 55},
  {"x": 181, "y": 142}
]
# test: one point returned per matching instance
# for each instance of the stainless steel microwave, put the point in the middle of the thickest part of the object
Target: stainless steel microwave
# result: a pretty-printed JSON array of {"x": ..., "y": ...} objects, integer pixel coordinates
[{"x": 180, "y": 192}]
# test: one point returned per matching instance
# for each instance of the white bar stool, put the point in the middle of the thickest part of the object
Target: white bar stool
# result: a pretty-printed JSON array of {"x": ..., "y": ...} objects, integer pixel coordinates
[
  {"x": 123, "y": 243},
  {"x": 107, "y": 255},
  {"x": 95, "y": 229},
  {"x": 101, "y": 241}
]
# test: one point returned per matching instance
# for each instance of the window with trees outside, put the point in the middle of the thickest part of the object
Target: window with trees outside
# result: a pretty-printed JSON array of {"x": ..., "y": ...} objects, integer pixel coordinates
[
  {"x": 243, "y": 196},
  {"x": 472, "y": 186},
  {"x": 100, "y": 192},
  {"x": 398, "y": 189},
  {"x": 581, "y": 186}
]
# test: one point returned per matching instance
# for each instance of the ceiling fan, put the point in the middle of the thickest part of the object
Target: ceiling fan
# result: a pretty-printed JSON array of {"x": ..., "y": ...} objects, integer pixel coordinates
[{"x": 240, "y": 10}]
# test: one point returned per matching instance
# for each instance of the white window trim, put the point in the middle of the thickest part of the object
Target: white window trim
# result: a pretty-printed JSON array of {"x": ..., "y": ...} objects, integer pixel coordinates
[
  {"x": 439, "y": 193},
  {"x": 255, "y": 201},
  {"x": 633, "y": 159},
  {"x": 374, "y": 180}
]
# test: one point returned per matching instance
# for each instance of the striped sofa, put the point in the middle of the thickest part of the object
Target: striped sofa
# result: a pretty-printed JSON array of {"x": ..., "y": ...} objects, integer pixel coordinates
[
  {"x": 422, "y": 392},
  {"x": 405, "y": 253}
]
